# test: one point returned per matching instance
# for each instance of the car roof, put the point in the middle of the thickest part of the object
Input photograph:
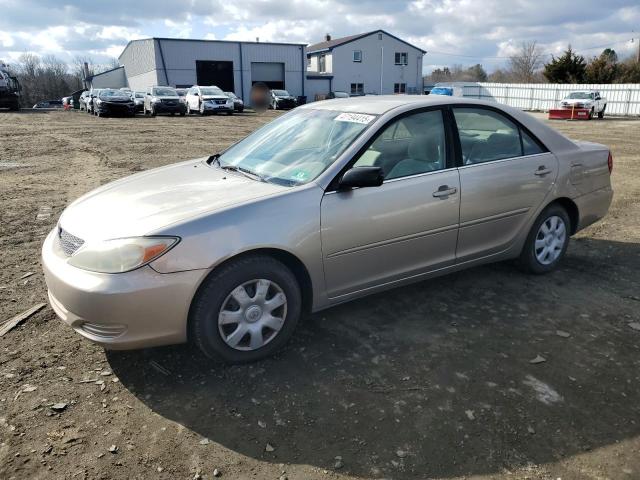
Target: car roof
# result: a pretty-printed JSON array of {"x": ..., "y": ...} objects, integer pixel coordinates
[{"x": 379, "y": 104}]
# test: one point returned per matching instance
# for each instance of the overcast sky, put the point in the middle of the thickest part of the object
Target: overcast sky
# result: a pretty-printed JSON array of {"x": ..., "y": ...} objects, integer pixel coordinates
[{"x": 478, "y": 31}]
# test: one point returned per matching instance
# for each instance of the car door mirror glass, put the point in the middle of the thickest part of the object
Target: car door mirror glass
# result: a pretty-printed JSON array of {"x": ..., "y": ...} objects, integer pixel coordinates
[{"x": 360, "y": 177}]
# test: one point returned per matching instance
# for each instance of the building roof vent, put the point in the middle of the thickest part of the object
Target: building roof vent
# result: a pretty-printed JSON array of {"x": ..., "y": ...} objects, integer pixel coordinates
[{"x": 327, "y": 37}]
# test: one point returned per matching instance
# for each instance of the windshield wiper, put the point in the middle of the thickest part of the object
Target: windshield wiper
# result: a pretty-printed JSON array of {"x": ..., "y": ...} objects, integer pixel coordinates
[{"x": 246, "y": 172}]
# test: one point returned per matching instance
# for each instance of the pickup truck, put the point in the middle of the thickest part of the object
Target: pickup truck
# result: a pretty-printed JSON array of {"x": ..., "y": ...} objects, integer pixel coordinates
[{"x": 587, "y": 99}]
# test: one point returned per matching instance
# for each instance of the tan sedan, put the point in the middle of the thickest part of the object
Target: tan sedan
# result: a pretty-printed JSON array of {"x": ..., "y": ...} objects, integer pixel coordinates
[{"x": 330, "y": 202}]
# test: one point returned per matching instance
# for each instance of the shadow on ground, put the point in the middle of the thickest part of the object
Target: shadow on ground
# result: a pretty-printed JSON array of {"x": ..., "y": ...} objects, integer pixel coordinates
[{"x": 434, "y": 379}]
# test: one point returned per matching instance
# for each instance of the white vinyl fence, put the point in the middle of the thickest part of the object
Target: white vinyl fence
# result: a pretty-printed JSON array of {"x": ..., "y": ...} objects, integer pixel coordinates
[{"x": 622, "y": 99}]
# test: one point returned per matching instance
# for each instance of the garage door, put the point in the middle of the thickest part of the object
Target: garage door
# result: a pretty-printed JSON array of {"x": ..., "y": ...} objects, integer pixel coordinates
[
  {"x": 216, "y": 73},
  {"x": 269, "y": 73}
]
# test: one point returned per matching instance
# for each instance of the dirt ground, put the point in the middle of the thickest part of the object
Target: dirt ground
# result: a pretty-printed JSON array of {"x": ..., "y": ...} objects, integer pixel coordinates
[{"x": 434, "y": 380}]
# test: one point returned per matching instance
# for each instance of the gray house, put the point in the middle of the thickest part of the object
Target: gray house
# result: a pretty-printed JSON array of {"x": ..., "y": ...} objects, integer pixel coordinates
[
  {"x": 231, "y": 65},
  {"x": 373, "y": 62}
]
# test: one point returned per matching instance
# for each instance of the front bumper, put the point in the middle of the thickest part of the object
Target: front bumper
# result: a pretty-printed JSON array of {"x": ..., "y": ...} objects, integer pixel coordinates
[
  {"x": 137, "y": 309},
  {"x": 116, "y": 108},
  {"x": 173, "y": 108},
  {"x": 210, "y": 106}
]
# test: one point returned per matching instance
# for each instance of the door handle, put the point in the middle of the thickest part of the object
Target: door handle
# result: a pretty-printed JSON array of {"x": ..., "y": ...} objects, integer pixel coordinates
[
  {"x": 542, "y": 170},
  {"x": 444, "y": 191}
]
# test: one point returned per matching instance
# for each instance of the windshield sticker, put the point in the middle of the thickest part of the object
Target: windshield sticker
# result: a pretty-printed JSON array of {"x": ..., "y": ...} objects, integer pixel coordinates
[
  {"x": 355, "y": 118},
  {"x": 300, "y": 175}
]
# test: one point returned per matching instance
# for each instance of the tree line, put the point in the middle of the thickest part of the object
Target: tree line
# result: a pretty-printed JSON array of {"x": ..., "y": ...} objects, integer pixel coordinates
[
  {"x": 528, "y": 66},
  {"x": 49, "y": 78}
]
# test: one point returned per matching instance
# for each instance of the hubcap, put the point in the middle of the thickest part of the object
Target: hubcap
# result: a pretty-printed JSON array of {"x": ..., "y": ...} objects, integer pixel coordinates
[
  {"x": 550, "y": 240},
  {"x": 252, "y": 314}
]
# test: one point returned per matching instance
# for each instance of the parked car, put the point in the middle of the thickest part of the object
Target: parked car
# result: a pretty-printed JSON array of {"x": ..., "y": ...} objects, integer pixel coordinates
[
  {"x": 238, "y": 104},
  {"x": 48, "y": 104},
  {"x": 337, "y": 94},
  {"x": 138, "y": 101},
  {"x": 163, "y": 100},
  {"x": 588, "y": 99},
  {"x": 282, "y": 100},
  {"x": 448, "y": 91},
  {"x": 327, "y": 203},
  {"x": 109, "y": 101},
  {"x": 207, "y": 100},
  {"x": 85, "y": 98}
]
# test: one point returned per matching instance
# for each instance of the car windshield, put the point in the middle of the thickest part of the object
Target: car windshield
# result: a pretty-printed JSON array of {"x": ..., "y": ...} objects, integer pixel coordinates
[
  {"x": 112, "y": 93},
  {"x": 165, "y": 92},
  {"x": 280, "y": 93},
  {"x": 211, "y": 91},
  {"x": 297, "y": 147},
  {"x": 580, "y": 95}
]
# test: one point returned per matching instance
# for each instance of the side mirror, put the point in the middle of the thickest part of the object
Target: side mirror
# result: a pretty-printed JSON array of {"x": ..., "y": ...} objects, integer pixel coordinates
[{"x": 360, "y": 177}]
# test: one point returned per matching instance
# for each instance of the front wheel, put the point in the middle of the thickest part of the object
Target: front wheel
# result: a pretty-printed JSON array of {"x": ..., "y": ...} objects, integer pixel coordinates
[
  {"x": 547, "y": 241},
  {"x": 202, "y": 112},
  {"x": 247, "y": 310},
  {"x": 601, "y": 112}
]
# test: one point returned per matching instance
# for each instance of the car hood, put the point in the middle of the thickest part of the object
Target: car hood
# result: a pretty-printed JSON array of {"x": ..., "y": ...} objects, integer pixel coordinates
[
  {"x": 153, "y": 200},
  {"x": 215, "y": 97},
  {"x": 114, "y": 99},
  {"x": 573, "y": 101}
]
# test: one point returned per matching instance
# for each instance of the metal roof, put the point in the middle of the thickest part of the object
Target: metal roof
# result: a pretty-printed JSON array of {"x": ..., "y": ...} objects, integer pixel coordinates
[
  {"x": 213, "y": 41},
  {"x": 336, "y": 42}
]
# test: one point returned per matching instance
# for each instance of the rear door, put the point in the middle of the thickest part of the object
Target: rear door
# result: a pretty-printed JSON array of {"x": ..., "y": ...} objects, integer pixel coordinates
[{"x": 505, "y": 175}]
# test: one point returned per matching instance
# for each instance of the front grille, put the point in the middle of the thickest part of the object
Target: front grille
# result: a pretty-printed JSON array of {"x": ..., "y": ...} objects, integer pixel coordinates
[
  {"x": 221, "y": 102},
  {"x": 169, "y": 102},
  {"x": 69, "y": 243}
]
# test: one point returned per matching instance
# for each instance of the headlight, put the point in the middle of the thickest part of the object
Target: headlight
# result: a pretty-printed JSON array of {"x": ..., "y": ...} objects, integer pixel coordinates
[
  {"x": 155, "y": 100},
  {"x": 121, "y": 255}
]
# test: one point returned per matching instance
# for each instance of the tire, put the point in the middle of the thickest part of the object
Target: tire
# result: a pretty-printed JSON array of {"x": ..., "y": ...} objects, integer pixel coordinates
[
  {"x": 530, "y": 257},
  {"x": 201, "y": 109},
  {"x": 215, "y": 294},
  {"x": 601, "y": 112},
  {"x": 591, "y": 114}
]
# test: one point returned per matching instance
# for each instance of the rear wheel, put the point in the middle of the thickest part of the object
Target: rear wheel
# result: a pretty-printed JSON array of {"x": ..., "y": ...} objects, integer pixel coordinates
[
  {"x": 247, "y": 310},
  {"x": 547, "y": 241}
]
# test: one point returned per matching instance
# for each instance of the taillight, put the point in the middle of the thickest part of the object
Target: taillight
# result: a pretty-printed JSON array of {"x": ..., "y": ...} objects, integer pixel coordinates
[{"x": 610, "y": 162}]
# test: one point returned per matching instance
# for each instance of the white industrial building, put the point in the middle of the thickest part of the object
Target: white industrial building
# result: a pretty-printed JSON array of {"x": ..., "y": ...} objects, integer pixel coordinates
[
  {"x": 369, "y": 63},
  {"x": 231, "y": 65}
]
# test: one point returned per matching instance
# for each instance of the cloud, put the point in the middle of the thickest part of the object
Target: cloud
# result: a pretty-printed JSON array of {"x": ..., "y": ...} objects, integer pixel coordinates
[{"x": 452, "y": 31}]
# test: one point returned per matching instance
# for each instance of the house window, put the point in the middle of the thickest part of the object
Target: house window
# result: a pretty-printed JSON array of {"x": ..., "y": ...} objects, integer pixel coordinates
[
  {"x": 401, "y": 58},
  {"x": 322, "y": 64},
  {"x": 357, "y": 55},
  {"x": 357, "y": 89},
  {"x": 399, "y": 88}
]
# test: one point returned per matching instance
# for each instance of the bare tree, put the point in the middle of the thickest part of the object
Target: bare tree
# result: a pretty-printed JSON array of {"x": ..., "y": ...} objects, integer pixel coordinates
[{"x": 526, "y": 63}]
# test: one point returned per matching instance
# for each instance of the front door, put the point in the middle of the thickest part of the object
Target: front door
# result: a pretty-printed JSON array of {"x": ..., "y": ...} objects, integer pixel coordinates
[
  {"x": 405, "y": 227},
  {"x": 505, "y": 176}
]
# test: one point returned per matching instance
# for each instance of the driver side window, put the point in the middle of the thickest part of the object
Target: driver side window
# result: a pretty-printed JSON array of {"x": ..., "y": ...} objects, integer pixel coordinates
[{"x": 411, "y": 145}]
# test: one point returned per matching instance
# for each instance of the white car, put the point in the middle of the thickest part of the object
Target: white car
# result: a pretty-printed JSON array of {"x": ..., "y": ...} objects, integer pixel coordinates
[
  {"x": 588, "y": 99},
  {"x": 209, "y": 99}
]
